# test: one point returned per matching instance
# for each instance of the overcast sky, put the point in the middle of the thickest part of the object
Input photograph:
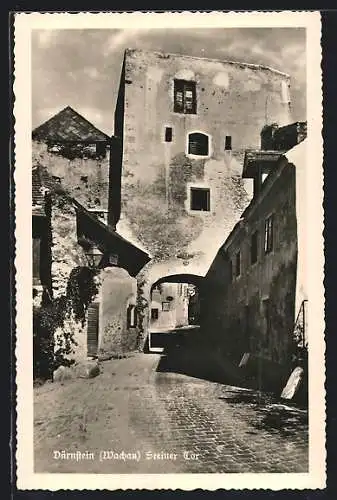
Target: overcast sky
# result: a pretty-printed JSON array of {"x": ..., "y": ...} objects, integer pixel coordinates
[{"x": 81, "y": 68}]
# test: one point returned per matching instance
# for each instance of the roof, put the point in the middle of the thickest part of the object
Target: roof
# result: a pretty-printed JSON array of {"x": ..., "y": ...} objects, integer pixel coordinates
[
  {"x": 166, "y": 55},
  {"x": 68, "y": 126},
  {"x": 255, "y": 159},
  {"x": 131, "y": 257}
]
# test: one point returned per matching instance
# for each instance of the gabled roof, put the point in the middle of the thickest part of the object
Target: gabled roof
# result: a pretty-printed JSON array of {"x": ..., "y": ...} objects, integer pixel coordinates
[
  {"x": 68, "y": 125},
  {"x": 131, "y": 257}
]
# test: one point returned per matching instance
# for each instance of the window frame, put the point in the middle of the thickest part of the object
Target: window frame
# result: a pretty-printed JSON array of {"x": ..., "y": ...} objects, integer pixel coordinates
[
  {"x": 269, "y": 231},
  {"x": 200, "y": 188},
  {"x": 228, "y": 143},
  {"x": 188, "y": 143},
  {"x": 165, "y": 306},
  {"x": 157, "y": 313},
  {"x": 255, "y": 234},
  {"x": 237, "y": 264},
  {"x": 183, "y": 86},
  {"x": 168, "y": 133}
]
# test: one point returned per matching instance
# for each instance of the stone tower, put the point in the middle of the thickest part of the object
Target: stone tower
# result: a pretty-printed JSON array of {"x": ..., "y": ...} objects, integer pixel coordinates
[{"x": 182, "y": 125}]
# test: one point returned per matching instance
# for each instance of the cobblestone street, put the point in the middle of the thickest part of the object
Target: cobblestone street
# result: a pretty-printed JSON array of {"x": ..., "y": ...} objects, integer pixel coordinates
[{"x": 193, "y": 425}]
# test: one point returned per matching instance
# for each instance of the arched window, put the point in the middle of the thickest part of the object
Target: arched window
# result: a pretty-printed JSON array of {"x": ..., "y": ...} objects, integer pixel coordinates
[{"x": 198, "y": 144}]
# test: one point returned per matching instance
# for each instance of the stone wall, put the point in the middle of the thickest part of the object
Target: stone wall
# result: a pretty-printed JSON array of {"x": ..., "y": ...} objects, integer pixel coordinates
[
  {"x": 118, "y": 293},
  {"x": 234, "y": 308},
  {"x": 86, "y": 179},
  {"x": 66, "y": 254},
  {"x": 232, "y": 100}
]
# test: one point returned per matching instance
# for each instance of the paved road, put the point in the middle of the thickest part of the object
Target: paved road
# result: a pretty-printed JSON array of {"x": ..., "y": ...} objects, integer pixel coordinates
[{"x": 165, "y": 422}]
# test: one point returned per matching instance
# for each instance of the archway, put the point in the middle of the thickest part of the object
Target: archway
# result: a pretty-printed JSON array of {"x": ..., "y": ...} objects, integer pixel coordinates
[{"x": 174, "y": 313}]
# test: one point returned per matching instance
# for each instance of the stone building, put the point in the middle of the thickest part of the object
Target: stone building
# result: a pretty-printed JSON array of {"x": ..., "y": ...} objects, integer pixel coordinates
[
  {"x": 76, "y": 154},
  {"x": 255, "y": 296},
  {"x": 169, "y": 306},
  {"x": 182, "y": 125},
  {"x": 73, "y": 251}
]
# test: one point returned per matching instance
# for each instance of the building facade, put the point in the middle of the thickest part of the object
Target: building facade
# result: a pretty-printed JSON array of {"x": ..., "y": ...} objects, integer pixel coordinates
[
  {"x": 255, "y": 292},
  {"x": 182, "y": 125},
  {"x": 84, "y": 285},
  {"x": 77, "y": 155}
]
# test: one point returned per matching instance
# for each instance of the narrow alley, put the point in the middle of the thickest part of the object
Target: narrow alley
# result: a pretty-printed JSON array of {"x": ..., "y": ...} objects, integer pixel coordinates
[{"x": 151, "y": 421}]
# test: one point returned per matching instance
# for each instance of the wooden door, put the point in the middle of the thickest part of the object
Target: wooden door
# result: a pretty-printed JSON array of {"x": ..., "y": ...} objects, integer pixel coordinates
[{"x": 92, "y": 329}]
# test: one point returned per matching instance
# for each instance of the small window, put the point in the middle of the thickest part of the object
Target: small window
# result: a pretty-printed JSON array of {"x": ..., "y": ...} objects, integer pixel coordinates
[
  {"x": 253, "y": 248},
  {"x": 267, "y": 318},
  {"x": 185, "y": 97},
  {"x": 131, "y": 316},
  {"x": 101, "y": 149},
  {"x": 36, "y": 261},
  {"x": 200, "y": 199},
  {"x": 228, "y": 143},
  {"x": 269, "y": 234},
  {"x": 238, "y": 264},
  {"x": 168, "y": 134},
  {"x": 84, "y": 178},
  {"x": 165, "y": 306},
  {"x": 198, "y": 144},
  {"x": 154, "y": 314}
]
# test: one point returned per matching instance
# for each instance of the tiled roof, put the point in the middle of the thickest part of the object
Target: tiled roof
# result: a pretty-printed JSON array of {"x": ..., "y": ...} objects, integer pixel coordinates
[{"x": 68, "y": 125}]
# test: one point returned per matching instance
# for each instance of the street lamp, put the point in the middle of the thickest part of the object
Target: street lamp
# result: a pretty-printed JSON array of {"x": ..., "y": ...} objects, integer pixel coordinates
[{"x": 94, "y": 257}]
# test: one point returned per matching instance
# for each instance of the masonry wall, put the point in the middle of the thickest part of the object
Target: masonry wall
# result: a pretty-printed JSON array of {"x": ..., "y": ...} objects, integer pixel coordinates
[
  {"x": 118, "y": 293},
  {"x": 86, "y": 179},
  {"x": 232, "y": 100},
  {"x": 175, "y": 296},
  {"x": 233, "y": 313}
]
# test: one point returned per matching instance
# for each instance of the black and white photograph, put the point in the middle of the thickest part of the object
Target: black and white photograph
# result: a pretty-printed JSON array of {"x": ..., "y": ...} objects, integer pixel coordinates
[{"x": 170, "y": 294}]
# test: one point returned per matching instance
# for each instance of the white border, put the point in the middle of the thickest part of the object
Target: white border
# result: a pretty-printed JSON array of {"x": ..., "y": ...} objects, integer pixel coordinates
[{"x": 26, "y": 478}]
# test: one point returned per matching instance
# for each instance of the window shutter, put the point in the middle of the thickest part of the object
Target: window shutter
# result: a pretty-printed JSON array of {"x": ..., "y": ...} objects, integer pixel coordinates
[{"x": 92, "y": 329}]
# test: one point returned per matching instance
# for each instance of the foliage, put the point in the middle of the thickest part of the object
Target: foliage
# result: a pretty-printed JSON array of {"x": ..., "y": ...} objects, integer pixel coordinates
[{"x": 54, "y": 322}]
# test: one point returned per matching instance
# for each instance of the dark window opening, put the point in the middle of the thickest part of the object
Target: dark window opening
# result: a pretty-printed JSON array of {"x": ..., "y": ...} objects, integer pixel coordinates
[
  {"x": 131, "y": 316},
  {"x": 101, "y": 149},
  {"x": 154, "y": 314},
  {"x": 228, "y": 142},
  {"x": 200, "y": 199},
  {"x": 185, "y": 97},
  {"x": 198, "y": 144},
  {"x": 56, "y": 179},
  {"x": 84, "y": 178},
  {"x": 267, "y": 319},
  {"x": 168, "y": 134},
  {"x": 269, "y": 234},
  {"x": 238, "y": 264},
  {"x": 254, "y": 247},
  {"x": 36, "y": 261}
]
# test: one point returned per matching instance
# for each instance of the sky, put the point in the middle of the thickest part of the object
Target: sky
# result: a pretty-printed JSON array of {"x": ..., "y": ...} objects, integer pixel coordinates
[{"x": 81, "y": 68}]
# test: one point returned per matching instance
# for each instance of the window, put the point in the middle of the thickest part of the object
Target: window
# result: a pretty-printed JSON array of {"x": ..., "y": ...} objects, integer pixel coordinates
[
  {"x": 154, "y": 314},
  {"x": 238, "y": 264},
  {"x": 266, "y": 315},
  {"x": 185, "y": 97},
  {"x": 200, "y": 199},
  {"x": 228, "y": 143},
  {"x": 268, "y": 234},
  {"x": 165, "y": 306},
  {"x": 168, "y": 134},
  {"x": 131, "y": 316},
  {"x": 253, "y": 248},
  {"x": 36, "y": 261},
  {"x": 198, "y": 144},
  {"x": 101, "y": 149}
]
